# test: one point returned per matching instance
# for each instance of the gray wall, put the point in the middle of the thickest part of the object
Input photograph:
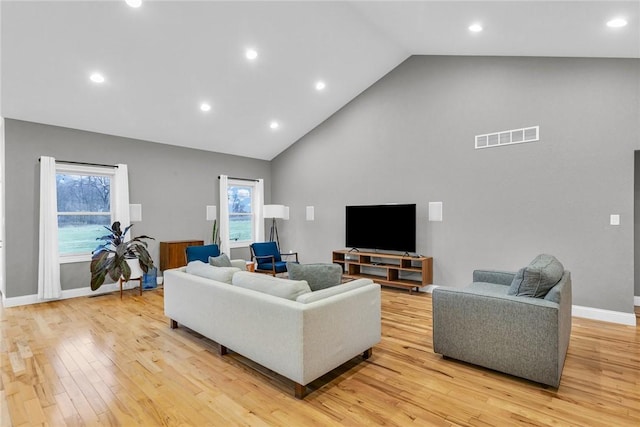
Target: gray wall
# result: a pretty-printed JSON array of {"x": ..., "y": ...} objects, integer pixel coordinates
[
  {"x": 173, "y": 185},
  {"x": 637, "y": 225},
  {"x": 410, "y": 138}
]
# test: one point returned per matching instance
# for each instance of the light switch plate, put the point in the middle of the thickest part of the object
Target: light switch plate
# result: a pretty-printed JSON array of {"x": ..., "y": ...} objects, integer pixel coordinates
[{"x": 615, "y": 219}]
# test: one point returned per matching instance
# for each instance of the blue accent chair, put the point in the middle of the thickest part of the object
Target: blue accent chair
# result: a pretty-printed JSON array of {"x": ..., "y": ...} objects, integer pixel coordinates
[
  {"x": 201, "y": 253},
  {"x": 269, "y": 258}
]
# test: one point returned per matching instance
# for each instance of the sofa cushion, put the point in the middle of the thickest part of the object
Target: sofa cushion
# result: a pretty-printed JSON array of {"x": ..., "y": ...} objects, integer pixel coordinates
[
  {"x": 283, "y": 288},
  {"x": 220, "y": 261},
  {"x": 536, "y": 279},
  {"x": 334, "y": 290},
  {"x": 319, "y": 276},
  {"x": 219, "y": 274}
]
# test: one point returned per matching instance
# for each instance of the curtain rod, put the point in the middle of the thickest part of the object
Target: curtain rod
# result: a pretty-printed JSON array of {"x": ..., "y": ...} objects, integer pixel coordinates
[
  {"x": 241, "y": 179},
  {"x": 84, "y": 163}
]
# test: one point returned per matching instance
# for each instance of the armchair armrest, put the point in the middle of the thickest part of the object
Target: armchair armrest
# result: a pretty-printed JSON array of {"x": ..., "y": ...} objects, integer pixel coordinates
[
  {"x": 290, "y": 254},
  {"x": 494, "y": 276}
]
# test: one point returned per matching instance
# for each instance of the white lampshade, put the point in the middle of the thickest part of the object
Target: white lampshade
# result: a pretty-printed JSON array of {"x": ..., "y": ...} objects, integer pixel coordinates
[{"x": 276, "y": 211}]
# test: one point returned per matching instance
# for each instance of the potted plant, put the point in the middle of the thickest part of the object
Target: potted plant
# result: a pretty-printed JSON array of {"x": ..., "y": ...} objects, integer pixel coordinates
[{"x": 110, "y": 258}]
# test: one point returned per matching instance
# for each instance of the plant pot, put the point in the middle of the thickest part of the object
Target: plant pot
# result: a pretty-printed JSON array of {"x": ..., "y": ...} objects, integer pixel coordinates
[{"x": 136, "y": 271}]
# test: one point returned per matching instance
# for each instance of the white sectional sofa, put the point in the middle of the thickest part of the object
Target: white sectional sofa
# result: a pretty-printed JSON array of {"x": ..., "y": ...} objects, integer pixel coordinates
[{"x": 299, "y": 334}]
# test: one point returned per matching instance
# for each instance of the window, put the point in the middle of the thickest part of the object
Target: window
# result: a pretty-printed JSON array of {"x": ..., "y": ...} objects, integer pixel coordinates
[
  {"x": 241, "y": 196},
  {"x": 85, "y": 206}
]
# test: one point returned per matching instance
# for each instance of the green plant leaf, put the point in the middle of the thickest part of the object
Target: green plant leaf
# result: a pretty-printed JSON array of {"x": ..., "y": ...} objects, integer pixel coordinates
[{"x": 110, "y": 258}]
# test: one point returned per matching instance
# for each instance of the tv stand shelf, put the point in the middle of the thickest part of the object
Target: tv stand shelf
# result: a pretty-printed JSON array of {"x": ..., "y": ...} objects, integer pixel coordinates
[{"x": 387, "y": 269}]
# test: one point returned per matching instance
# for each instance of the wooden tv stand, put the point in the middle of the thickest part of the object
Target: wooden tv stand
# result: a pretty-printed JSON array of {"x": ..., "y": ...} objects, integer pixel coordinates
[{"x": 394, "y": 270}]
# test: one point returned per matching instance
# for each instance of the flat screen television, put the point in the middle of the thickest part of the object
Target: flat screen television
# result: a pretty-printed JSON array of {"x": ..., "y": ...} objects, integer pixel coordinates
[{"x": 388, "y": 227}]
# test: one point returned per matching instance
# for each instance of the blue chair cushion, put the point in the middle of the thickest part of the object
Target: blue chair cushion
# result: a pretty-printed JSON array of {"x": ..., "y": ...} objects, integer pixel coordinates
[
  {"x": 201, "y": 253},
  {"x": 265, "y": 249},
  {"x": 281, "y": 266}
]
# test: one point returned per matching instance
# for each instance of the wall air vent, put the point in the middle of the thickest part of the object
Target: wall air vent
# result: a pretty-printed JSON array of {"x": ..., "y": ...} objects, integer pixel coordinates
[{"x": 508, "y": 137}]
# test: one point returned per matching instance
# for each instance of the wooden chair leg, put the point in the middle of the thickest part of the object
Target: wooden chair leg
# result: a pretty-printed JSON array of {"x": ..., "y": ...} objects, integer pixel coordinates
[{"x": 120, "y": 281}]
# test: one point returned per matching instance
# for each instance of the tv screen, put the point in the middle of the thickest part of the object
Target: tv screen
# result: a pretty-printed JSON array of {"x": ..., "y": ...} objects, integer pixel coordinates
[{"x": 388, "y": 227}]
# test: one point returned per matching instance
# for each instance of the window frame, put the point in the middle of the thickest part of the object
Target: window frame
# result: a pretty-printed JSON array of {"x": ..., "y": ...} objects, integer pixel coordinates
[
  {"x": 234, "y": 244},
  {"x": 72, "y": 169}
]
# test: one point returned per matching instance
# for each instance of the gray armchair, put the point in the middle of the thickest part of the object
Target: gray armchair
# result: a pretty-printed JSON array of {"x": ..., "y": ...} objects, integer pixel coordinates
[{"x": 522, "y": 336}]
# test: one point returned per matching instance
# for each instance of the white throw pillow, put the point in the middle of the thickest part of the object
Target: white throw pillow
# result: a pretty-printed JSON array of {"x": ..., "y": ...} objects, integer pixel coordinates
[
  {"x": 283, "y": 288},
  {"x": 219, "y": 274}
]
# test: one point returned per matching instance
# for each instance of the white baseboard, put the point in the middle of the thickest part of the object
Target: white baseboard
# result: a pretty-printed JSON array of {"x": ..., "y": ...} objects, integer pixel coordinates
[
  {"x": 636, "y": 301},
  {"x": 604, "y": 315},
  {"x": 66, "y": 294}
]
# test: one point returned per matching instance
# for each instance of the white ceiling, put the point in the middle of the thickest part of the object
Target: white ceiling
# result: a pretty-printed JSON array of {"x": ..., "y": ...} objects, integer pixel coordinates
[{"x": 162, "y": 60}]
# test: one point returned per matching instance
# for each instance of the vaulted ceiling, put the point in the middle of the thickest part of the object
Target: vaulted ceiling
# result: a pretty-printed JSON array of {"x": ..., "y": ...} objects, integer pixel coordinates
[{"x": 163, "y": 60}]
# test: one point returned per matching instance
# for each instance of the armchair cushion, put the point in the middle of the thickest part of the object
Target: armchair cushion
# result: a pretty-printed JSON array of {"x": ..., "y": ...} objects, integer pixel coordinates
[
  {"x": 536, "y": 279},
  {"x": 220, "y": 261},
  {"x": 319, "y": 276},
  {"x": 264, "y": 249},
  {"x": 201, "y": 253}
]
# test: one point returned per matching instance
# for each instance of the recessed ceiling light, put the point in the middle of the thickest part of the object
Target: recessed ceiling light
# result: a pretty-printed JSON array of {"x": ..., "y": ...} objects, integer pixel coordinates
[
  {"x": 134, "y": 3},
  {"x": 251, "y": 54},
  {"x": 475, "y": 28},
  {"x": 617, "y": 23},
  {"x": 97, "y": 78},
  {"x": 205, "y": 107},
  {"x": 320, "y": 85},
  {"x": 274, "y": 125}
]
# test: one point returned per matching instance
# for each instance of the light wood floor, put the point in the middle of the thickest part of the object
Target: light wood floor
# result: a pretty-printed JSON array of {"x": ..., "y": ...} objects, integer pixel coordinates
[{"x": 102, "y": 361}]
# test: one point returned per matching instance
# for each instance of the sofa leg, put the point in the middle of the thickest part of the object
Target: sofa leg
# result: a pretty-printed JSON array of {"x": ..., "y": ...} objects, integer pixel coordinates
[
  {"x": 173, "y": 324},
  {"x": 223, "y": 350},
  {"x": 300, "y": 391},
  {"x": 367, "y": 353}
]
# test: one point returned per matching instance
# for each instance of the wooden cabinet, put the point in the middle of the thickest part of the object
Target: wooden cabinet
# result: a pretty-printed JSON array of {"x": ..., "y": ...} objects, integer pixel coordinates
[
  {"x": 172, "y": 253},
  {"x": 386, "y": 269}
]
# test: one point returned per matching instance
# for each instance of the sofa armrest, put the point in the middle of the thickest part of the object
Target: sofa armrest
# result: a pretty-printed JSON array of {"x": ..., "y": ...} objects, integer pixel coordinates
[
  {"x": 517, "y": 335},
  {"x": 239, "y": 263},
  {"x": 494, "y": 276}
]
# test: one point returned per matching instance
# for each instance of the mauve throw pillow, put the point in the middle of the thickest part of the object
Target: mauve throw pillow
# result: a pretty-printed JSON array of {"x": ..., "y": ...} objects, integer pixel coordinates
[{"x": 536, "y": 279}]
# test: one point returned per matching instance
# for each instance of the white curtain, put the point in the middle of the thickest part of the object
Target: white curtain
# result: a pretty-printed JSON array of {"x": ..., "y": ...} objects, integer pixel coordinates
[
  {"x": 121, "y": 196},
  {"x": 259, "y": 201},
  {"x": 48, "y": 263},
  {"x": 224, "y": 216}
]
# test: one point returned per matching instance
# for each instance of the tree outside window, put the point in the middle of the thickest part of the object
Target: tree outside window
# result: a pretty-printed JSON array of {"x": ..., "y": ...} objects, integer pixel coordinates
[
  {"x": 241, "y": 213},
  {"x": 84, "y": 208}
]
